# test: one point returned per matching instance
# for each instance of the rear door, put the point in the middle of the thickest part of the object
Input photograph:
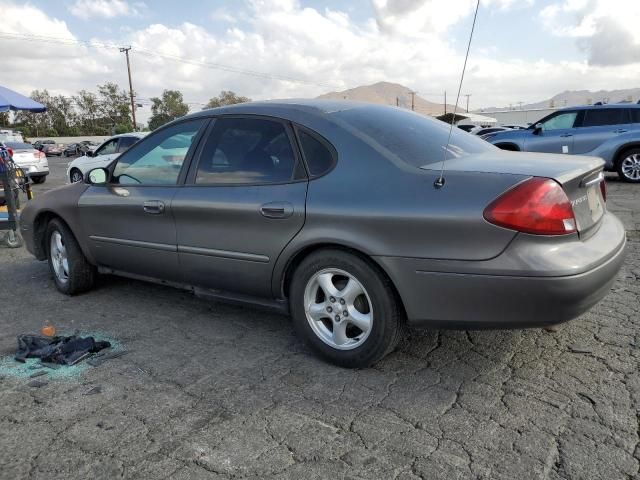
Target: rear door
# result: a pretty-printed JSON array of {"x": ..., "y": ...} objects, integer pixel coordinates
[
  {"x": 556, "y": 134},
  {"x": 129, "y": 222},
  {"x": 599, "y": 125},
  {"x": 243, "y": 202}
]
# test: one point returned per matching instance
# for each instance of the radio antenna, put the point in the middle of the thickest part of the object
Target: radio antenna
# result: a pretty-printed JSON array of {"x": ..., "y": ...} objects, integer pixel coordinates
[{"x": 439, "y": 183}]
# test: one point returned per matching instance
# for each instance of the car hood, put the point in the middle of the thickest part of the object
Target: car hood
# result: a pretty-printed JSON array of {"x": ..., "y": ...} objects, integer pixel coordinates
[{"x": 561, "y": 168}]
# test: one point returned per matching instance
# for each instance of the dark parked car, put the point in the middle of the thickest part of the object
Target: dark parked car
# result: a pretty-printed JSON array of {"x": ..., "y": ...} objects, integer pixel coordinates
[
  {"x": 611, "y": 132},
  {"x": 331, "y": 211},
  {"x": 48, "y": 147}
]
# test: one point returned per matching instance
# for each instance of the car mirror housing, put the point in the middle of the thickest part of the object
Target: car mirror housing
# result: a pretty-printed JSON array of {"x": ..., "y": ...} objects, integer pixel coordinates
[
  {"x": 537, "y": 129},
  {"x": 98, "y": 176},
  {"x": 89, "y": 153}
]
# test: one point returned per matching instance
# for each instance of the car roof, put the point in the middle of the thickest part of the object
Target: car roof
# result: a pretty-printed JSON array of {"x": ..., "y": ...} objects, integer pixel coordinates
[
  {"x": 320, "y": 107},
  {"x": 130, "y": 134},
  {"x": 600, "y": 107}
]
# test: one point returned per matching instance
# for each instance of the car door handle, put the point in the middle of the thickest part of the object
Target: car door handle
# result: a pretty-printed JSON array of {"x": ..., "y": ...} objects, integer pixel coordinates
[
  {"x": 565, "y": 135},
  {"x": 620, "y": 130},
  {"x": 276, "y": 210},
  {"x": 154, "y": 207}
]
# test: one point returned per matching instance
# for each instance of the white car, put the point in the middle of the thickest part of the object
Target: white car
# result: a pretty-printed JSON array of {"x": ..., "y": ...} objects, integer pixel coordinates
[
  {"x": 32, "y": 161},
  {"x": 101, "y": 156}
]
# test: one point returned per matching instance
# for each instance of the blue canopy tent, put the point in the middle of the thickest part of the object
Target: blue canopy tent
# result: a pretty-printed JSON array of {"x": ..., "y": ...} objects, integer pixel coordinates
[{"x": 10, "y": 100}]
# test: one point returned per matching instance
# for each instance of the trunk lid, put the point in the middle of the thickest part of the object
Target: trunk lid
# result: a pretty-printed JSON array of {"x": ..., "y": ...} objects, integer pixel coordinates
[{"x": 579, "y": 177}]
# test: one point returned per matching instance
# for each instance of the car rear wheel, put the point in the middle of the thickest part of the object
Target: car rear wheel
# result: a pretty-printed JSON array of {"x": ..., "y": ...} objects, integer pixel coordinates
[
  {"x": 72, "y": 272},
  {"x": 345, "y": 309},
  {"x": 75, "y": 176},
  {"x": 628, "y": 166}
]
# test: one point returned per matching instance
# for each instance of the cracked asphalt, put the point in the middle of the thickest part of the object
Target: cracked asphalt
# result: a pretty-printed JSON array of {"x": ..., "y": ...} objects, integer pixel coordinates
[{"x": 209, "y": 390}]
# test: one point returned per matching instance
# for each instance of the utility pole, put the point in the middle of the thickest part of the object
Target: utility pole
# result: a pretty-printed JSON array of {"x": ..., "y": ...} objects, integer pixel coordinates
[
  {"x": 445, "y": 102},
  {"x": 397, "y": 101},
  {"x": 467, "y": 95},
  {"x": 133, "y": 105},
  {"x": 413, "y": 100}
]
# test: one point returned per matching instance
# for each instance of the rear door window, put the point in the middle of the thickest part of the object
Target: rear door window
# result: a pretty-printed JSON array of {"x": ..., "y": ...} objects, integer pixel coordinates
[
  {"x": 126, "y": 143},
  {"x": 635, "y": 115},
  {"x": 604, "y": 116},
  {"x": 246, "y": 151}
]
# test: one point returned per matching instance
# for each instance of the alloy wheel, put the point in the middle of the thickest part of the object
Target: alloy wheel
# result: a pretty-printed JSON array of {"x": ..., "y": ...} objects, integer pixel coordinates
[
  {"x": 76, "y": 176},
  {"x": 59, "y": 259},
  {"x": 338, "y": 309},
  {"x": 631, "y": 167}
]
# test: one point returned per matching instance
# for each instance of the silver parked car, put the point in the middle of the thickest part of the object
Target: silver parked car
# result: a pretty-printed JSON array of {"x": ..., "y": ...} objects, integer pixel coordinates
[{"x": 330, "y": 211}]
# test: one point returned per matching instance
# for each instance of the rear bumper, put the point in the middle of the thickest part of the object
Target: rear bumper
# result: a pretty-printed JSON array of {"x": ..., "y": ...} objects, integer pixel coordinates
[{"x": 503, "y": 293}]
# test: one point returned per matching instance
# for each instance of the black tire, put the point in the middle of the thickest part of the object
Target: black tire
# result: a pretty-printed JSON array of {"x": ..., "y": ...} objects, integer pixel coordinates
[
  {"x": 388, "y": 320},
  {"x": 39, "y": 180},
  {"x": 81, "y": 274},
  {"x": 619, "y": 165},
  {"x": 72, "y": 177}
]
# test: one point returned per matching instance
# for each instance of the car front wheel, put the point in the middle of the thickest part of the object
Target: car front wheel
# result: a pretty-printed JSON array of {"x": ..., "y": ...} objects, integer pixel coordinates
[
  {"x": 345, "y": 308},
  {"x": 75, "y": 176},
  {"x": 72, "y": 272},
  {"x": 629, "y": 166}
]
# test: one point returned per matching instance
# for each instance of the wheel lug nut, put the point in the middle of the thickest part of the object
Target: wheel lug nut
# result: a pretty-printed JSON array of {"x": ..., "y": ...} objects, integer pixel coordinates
[
  {"x": 332, "y": 299},
  {"x": 342, "y": 301},
  {"x": 345, "y": 313},
  {"x": 337, "y": 318},
  {"x": 329, "y": 309}
]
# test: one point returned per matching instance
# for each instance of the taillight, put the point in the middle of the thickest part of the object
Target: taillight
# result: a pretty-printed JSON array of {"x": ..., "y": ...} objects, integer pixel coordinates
[
  {"x": 10, "y": 152},
  {"x": 603, "y": 189},
  {"x": 38, "y": 154},
  {"x": 538, "y": 206}
]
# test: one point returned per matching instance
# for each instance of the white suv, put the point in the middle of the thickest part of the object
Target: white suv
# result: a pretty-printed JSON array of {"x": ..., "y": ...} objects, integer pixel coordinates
[{"x": 101, "y": 156}]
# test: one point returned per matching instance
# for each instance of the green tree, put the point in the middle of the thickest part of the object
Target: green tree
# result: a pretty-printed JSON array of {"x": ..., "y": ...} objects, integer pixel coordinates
[
  {"x": 226, "y": 97},
  {"x": 4, "y": 119},
  {"x": 87, "y": 112},
  {"x": 37, "y": 124},
  {"x": 114, "y": 109},
  {"x": 166, "y": 108}
]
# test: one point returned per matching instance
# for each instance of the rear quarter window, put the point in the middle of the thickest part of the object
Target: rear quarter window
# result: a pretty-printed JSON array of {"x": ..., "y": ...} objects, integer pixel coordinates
[
  {"x": 635, "y": 115},
  {"x": 318, "y": 156}
]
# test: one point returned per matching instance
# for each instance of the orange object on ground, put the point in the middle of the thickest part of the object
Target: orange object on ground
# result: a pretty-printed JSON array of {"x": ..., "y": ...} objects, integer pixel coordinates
[{"x": 48, "y": 330}]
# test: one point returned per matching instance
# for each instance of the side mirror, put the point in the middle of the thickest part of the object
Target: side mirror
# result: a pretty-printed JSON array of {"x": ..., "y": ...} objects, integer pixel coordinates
[
  {"x": 90, "y": 153},
  {"x": 98, "y": 176},
  {"x": 537, "y": 129}
]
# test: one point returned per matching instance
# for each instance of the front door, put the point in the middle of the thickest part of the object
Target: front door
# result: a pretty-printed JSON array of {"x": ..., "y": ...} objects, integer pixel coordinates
[
  {"x": 129, "y": 221},
  {"x": 555, "y": 134},
  {"x": 243, "y": 202}
]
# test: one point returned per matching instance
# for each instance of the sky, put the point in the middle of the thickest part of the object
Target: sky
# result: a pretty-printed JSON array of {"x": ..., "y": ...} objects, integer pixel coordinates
[{"x": 522, "y": 50}]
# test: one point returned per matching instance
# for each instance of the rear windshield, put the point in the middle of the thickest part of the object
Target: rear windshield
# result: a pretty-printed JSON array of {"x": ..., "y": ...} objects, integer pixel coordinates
[
  {"x": 19, "y": 145},
  {"x": 413, "y": 138}
]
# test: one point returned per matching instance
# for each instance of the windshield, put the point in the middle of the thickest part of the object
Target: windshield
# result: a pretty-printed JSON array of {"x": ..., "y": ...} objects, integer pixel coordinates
[{"x": 413, "y": 138}]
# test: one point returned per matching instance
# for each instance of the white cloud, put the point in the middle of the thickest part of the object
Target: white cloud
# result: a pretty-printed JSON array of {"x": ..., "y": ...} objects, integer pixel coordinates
[
  {"x": 286, "y": 39},
  {"x": 606, "y": 29},
  {"x": 86, "y": 9}
]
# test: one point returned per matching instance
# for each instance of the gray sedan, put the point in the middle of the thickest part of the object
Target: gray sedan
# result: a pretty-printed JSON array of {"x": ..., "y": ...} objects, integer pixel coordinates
[{"x": 333, "y": 211}]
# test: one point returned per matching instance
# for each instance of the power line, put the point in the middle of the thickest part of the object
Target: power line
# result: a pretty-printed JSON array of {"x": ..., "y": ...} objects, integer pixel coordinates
[{"x": 150, "y": 53}]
